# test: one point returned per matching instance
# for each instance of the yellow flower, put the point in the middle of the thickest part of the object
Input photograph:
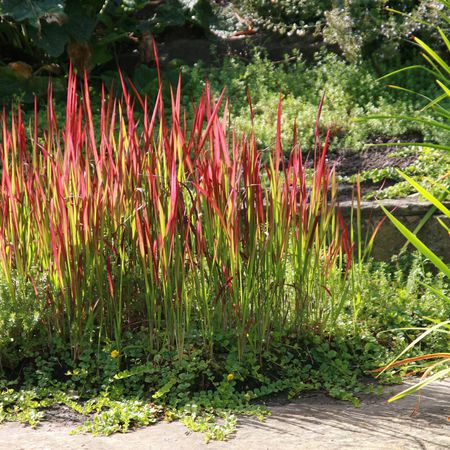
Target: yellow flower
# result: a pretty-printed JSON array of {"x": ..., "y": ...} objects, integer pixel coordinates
[
  {"x": 115, "y": 353},
  {"x": 230, "y": 377}
]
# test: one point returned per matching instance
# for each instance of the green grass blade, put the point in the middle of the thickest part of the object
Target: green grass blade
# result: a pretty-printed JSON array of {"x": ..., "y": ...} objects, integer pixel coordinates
[
  {"x": 411, "y": 144},
  {"x": 418, "y": 243},
  {"x": 437, "y": 376},
  {"x": 426, "y": 194},
  {"x": 433, "y": 54}
]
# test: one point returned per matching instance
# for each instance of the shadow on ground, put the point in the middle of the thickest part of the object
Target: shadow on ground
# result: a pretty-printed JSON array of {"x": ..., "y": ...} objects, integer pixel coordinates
[{"x": 311, "y": 422}]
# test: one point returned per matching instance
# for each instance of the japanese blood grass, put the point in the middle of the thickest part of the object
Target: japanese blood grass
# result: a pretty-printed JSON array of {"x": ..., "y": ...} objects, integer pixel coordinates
[{"x": 155, "y": 225}]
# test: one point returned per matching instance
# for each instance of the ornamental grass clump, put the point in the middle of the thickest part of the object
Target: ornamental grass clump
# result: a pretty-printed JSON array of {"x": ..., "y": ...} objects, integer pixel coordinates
[{"x": 181, "y": 230}]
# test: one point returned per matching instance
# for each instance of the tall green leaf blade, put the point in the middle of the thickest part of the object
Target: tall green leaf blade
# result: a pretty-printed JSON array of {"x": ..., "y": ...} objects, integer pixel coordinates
[
  {"x": 418, "y": 243},
  {"x": 426, "y": 194},
  {"x": 437, "y": 376},
  {"x": 433, "y": 54}
]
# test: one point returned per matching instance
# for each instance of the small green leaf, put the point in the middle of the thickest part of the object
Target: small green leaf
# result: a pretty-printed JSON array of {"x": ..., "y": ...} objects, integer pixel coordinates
[{"x": 165, "y": 389}]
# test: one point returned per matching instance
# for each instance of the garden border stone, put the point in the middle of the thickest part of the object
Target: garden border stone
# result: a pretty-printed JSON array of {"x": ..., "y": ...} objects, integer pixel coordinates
[{"x": 410, "y": 212}]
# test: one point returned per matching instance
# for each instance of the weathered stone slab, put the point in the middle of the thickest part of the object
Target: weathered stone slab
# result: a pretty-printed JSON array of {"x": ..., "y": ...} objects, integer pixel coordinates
[{"x": 410, "y": 212}]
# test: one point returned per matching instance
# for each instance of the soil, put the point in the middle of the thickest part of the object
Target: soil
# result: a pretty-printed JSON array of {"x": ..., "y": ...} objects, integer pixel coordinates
[
  {"x": 348, "y": 162},
  {"x": 310, "y": 422},
  {"x": 63, "y": 415}
]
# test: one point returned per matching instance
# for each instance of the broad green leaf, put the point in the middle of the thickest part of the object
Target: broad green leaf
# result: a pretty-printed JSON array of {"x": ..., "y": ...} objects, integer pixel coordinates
[
  {"x": 53, "y": 39},
  {"x": 136, "y": 370},
  {"x": 31, "y": 10},
  {"x": 80, "y": 26}
]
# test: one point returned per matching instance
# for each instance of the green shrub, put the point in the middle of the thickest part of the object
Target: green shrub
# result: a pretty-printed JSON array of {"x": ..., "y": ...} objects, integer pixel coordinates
[{"x": 360, "y": 29}]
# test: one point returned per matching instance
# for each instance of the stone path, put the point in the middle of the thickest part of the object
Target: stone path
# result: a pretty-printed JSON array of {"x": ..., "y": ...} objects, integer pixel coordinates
[{"x": 310, "y": 423}]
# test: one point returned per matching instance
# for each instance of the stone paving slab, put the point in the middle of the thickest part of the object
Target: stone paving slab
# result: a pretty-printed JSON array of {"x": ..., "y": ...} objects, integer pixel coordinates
[{"x": 312, "y": 422}]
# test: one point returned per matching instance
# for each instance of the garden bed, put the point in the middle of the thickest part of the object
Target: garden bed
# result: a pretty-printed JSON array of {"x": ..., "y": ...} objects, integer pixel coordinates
[{"x": 170, "y": 254}]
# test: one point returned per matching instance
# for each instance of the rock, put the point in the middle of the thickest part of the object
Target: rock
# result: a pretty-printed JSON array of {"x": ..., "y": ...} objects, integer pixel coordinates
[{"x": 409, "y": 211}]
